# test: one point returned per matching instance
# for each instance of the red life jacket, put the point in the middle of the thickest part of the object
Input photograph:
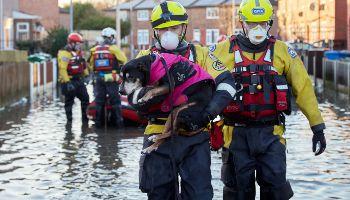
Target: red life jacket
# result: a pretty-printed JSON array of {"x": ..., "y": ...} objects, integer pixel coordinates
[
  {"x": 104, "y": 60},
  {"x": 262, "y": 94},
  {"x": 76, "y": 64}
]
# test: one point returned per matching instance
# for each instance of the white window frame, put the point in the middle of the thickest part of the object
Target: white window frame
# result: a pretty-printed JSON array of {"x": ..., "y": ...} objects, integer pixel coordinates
[
  {"x": 212, "y": 12},
  {"x": 212, "y": 36},
  {"x": 142, "y": 15},
  {"x": 143, "y": 37},
  {"x": 197, "y": 35},
  {"x": 18, "y": 30}
]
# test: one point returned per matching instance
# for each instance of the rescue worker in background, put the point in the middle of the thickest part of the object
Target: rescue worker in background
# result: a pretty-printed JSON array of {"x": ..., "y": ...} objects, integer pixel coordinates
[
  {"x": 72, "y": 70},
  {"x": 265, "y": 71},
  {"x": 169, "y": 21},
  {"x": 105, "y": 61}
]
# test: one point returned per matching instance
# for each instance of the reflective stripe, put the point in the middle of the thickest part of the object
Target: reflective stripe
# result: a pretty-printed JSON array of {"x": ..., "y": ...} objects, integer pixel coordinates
[
  {"x": 102, "y": 51},
  {"x": 238, "y": 57},
  {"x": 282, "y": 87},
  {"x": 268, "y": 56},
  {"x": 226, "y": 87},
  {"x": 191, "y": 57},
  {"x": 134, "y": 96}
]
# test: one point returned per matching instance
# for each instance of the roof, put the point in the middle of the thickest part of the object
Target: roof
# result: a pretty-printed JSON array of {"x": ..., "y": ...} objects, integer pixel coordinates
[
  {"x": 205, "y": 3},
  {"x": 22, "y": 15},
  {"x": 150, "y": 4},
  {"x": 126, "y": 5}
]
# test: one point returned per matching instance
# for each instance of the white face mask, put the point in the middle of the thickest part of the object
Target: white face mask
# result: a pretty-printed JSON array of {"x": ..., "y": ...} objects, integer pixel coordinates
[
  {"x": 257, "y": 34},
  {"x": 169, "y": 40}
]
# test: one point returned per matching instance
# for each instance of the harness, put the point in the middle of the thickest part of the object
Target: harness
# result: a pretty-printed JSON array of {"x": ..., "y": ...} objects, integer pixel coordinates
[
  {"x": 76, "y": 65},
  {"x": 189, "y": 53},
  {"x": 263, "y": 95},
  {"x": 104, "y": 60},
  {"x": 163, "y": 63}
]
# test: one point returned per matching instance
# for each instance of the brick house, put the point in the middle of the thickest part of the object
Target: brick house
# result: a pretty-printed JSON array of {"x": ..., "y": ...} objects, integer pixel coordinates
[
  {"x": 48, "y": 10},
  {"x": 217, "y": 15},
  {"x": 18, "y": 25},
  {"x": 314, "y": 21},
  {"x": 28, "y": 20}
]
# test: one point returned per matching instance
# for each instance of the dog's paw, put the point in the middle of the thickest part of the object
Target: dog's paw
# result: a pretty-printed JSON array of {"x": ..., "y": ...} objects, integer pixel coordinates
[{"x": 152, "y": 138}]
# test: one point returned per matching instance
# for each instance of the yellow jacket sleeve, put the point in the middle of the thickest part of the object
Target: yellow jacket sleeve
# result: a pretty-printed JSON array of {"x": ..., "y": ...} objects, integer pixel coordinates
[
  {"x": 119, "y": 54},
  {"x": 143, "y": 53},
  {"x": 299, "y": 79},
  {"x": 63, "y": 59},
  {"x": 91, "y": 59},
  {"x": 217, "y": 59}
]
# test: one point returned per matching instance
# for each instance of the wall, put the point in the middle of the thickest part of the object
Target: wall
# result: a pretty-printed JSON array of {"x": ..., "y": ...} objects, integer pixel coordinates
[
  {"x": 47, "y": 9},
  {"x": 11, "y": 90}
]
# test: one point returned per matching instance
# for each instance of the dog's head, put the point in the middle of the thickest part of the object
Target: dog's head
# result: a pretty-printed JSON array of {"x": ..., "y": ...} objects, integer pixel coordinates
[{"x": 135, "y": 74}]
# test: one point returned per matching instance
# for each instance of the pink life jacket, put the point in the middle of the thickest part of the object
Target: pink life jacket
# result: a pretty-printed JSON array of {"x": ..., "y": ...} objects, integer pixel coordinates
[{"x": 158, "y": 71}]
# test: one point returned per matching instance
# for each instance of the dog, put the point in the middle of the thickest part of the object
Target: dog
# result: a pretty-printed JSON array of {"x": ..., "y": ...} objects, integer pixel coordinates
[{"x": 150, "y": 80}]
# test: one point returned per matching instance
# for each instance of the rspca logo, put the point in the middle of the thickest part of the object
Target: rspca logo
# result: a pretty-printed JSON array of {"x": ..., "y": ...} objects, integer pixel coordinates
[
  {"x": 258, "y": 11},
  {"x": 292, "y": 53},
  {"x": 212, "y": 48}
]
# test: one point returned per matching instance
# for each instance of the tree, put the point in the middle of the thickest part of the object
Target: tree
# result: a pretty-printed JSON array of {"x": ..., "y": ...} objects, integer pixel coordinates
[
  {"x": 86, "y": 17},
  {"x": 55, "y": 40}
]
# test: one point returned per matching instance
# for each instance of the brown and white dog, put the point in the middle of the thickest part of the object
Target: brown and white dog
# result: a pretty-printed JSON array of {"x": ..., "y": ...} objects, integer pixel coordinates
[{"x": 142, "y": 95}]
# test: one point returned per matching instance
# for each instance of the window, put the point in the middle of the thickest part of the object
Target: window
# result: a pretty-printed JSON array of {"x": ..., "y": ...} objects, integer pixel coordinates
[
  {"x": 142, "y": 15},
  {"x": 22, "y": 31},
  {"x": 212, "y": 36},
  {"x": 197, "y": 35},
  {"x": 142, "y": 37},
  {"x": 213, "y": 13},
  {"x": 322, "y": 6}
]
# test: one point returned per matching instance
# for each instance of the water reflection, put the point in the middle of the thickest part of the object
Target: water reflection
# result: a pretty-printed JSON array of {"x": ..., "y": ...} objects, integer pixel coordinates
[{"x": 42, "y": 157}]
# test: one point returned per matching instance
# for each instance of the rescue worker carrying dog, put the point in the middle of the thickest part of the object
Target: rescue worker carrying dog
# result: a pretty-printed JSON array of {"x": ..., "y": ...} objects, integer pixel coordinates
[
  {"x": 169, "y": 21},
  {"x": 105, "y": 61},
  {"x": 265, "y": 71},
  {"x": 72, "y": 70}
]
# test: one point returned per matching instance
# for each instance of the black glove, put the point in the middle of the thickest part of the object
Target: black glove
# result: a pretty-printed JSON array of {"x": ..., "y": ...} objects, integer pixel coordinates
[
  {"x": 318, "y": 143},
  {"x": 70, "y": 87},
  {"x": 181, "y": 72},
  {"x": 190, "y": 120}
]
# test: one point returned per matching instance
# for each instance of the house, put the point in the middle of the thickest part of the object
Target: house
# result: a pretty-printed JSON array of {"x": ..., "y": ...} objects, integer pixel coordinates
[
  {"x": 314, "y": 21},
  {"x": 217, "y": 15},
  {"x": 18, "y": 25},
  {"x": 208, "y": 20},
  {"x": 27, "y": 20}
]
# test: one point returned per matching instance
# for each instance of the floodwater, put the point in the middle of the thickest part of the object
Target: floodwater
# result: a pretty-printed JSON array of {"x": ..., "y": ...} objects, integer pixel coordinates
[{"x": 43, "y": 158}]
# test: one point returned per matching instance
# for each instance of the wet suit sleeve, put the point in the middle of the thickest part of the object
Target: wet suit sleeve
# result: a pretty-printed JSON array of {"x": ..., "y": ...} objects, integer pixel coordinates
[
  {"x": 63, "y": 59},
  {"x": 225, "y": 85},
  {"x": 302, "y": 88}
]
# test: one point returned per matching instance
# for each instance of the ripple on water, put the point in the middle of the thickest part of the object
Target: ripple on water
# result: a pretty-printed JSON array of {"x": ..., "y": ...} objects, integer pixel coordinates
[{"x": 43, "y": 158}]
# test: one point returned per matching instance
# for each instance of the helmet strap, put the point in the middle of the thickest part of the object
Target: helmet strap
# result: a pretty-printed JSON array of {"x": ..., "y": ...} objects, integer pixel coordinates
[{"x": 183, "y": 33}]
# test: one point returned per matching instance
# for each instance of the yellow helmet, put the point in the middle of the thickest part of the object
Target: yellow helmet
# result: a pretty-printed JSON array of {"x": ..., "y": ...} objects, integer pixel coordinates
[
  {"x": 167, "y": 14},
  {"x": 255, "y": 11}
]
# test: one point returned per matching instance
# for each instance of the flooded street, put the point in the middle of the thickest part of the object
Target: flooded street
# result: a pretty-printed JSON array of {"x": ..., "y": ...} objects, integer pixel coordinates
[{"x": 43, "y": 158}]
